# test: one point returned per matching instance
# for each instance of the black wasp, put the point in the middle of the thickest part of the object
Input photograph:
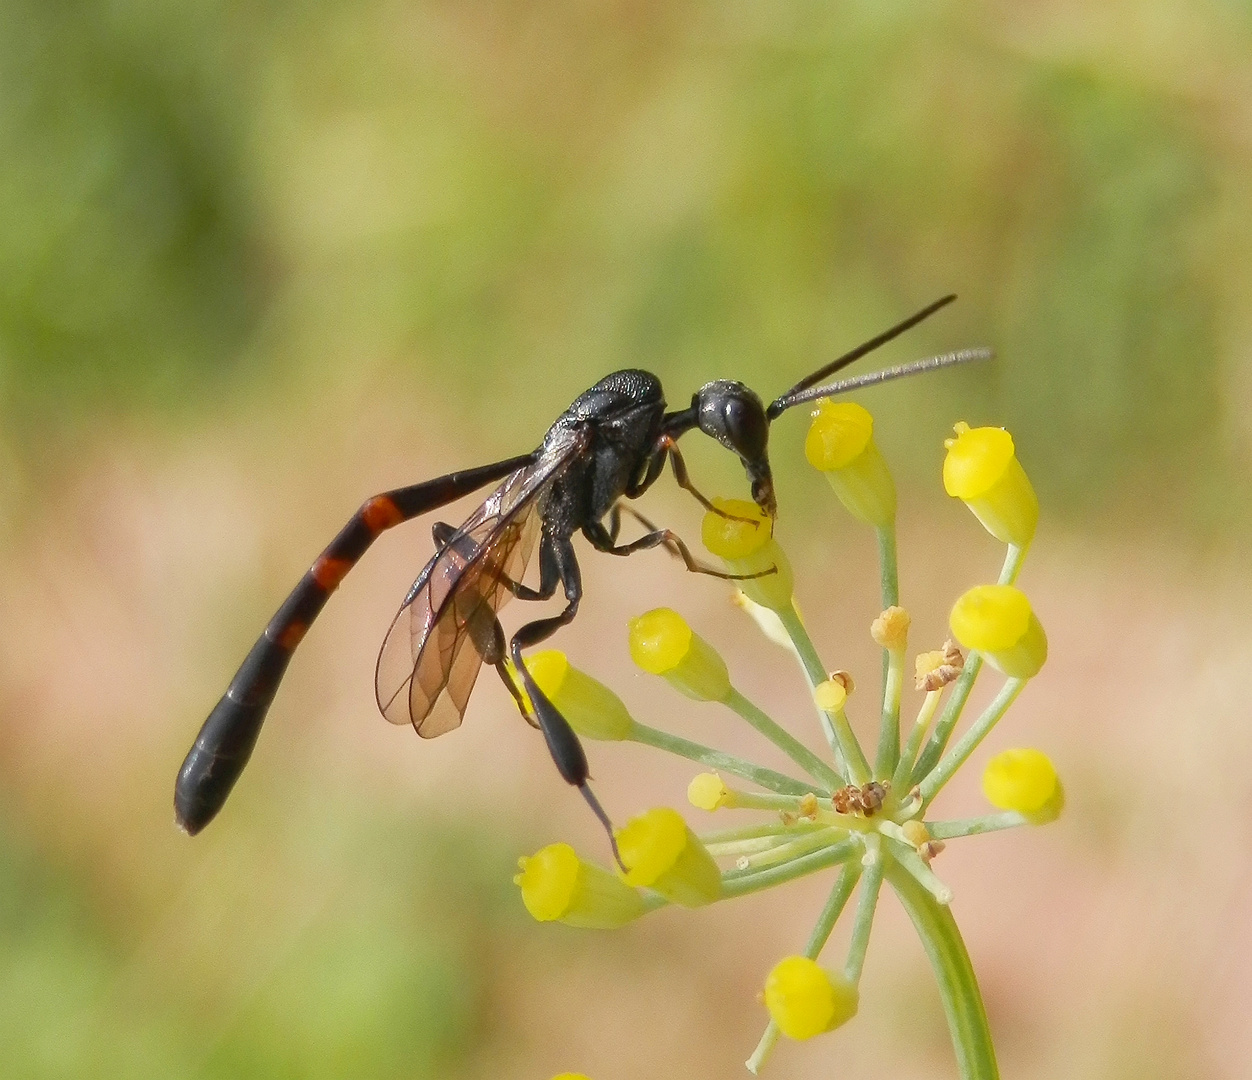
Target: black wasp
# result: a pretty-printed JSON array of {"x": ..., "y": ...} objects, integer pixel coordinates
[{"x": 613, "y": 441}]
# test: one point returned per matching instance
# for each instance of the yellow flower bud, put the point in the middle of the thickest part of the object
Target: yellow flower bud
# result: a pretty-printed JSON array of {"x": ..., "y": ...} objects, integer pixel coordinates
[
  {"x": 841, "y": 444},
  {"x": 749, "y": 547},
  {"x": 981, "y": 468},
  {"x": 707, "y": 792},
  {"x": 662, "y": 853},
  {"x": 915, "y": 832},
  {"x": 805, "y": 999},
  {"x": 891, "y": 629},
  {"x": 997, "y": 620},
  {"x": 571, "y": 1076},
  {"x": 591, "y": 708},
  {"x": 830, "y": 696},
  {"x": 1024, "y": 780},
  {"x": 557, "y": 885},
  {"x": 662, "y": 643}
]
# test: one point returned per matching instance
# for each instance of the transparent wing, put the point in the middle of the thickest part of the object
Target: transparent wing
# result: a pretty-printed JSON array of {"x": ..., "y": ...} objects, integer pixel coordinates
[{"x": 446, "y": 627}]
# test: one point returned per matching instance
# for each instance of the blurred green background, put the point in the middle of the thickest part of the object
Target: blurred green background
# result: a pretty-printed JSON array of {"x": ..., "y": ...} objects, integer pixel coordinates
[{"x": 260, "y": 260}]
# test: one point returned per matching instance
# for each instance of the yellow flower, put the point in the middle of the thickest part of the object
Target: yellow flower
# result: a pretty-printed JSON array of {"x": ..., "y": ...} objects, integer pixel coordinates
[
  {"x": 591, "y": 708},
  {"x": 997, "y": 620},
  {"x": 891, "y": 629},
  {"x": 830, "y": 695},
  {"x": 981, "y": 468},
  {"x": 748, "y": 547},
  {"x": 841, "y": 444},
  {"x": 1024, "y": 780},
  {"x": 558, "y": 886},
  {"x": 805, "y": 999},
  {"x": 662, "y": 853},
  {"x": 707, "y": 792},
  {"x": 662, "y": 643}
]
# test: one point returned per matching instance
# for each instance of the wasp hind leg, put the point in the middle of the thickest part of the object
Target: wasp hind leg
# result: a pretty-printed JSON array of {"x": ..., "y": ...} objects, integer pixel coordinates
[
  {"x": 557, "y": 558},
  {"x": 605, "y": 539}
]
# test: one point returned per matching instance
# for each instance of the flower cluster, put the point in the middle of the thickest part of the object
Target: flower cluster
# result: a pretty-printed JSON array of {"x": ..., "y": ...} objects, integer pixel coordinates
[{"x": 871, "y": 820}]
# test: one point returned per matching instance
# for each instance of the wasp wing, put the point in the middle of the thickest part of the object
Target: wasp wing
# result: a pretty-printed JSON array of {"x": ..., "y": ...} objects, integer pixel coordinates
[{"x": 446, "y": 627}]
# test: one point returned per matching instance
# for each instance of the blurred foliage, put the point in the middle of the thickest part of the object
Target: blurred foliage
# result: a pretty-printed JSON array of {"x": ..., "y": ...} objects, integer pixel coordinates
[
  {"x": 378, "y": 973},
  {"x": 210, "y": 201}
]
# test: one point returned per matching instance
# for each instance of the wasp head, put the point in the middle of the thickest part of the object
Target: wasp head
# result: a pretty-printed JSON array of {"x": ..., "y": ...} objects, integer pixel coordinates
[{"x": 733, "y": 414}]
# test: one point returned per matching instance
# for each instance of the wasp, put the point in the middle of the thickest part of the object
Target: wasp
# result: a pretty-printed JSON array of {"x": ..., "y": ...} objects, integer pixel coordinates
[{"x": 612, "y": 443}]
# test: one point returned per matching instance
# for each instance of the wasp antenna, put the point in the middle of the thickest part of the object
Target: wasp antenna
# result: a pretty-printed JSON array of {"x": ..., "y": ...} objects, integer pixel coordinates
[
  {"x": 785, "y": 401},
  {"x": 917, "y": 367}
]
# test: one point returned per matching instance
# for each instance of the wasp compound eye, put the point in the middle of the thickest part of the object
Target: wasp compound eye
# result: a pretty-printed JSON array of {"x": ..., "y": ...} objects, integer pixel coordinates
[{"x": 733, "y": 414}]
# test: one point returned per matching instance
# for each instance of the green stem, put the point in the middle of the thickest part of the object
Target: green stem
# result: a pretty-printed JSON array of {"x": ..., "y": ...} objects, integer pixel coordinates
[
  {"x": 858, "y": 766},
  {"x": 835, "y": 903},
  {"x": 793, "y": 849},
  {"x": 814, "y": 671},
  {"x": 889, "y": 730},
  {"x": 904, "y": 766},
  {"x": 865, "y": 907},
  {"x": 957, "y": 756},
  {"x": 904, "y": 854},
  {"x": 958, "y": 988},
  {"x": 947, "y": 719},
  {"x": 1013, "y": 560},
  {"x": 751, "y": 832},
  {"x": 742, "y": 882},
  {"x": 755, "y": 800},
  {"x": 784, "y": 740},
  {"x": 716, "y": 759},
  {"x": 948, "y": 830},
  {"x": 889, "y": 726}
]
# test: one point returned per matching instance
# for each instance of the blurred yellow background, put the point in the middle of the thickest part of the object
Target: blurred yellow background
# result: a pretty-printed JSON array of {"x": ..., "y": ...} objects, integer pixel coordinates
[{"x": 258, "y": 261}]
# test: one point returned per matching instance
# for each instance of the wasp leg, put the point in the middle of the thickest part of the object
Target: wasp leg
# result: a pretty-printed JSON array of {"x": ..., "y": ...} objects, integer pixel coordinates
[
  {"x": 444, "y": 534},
  {"x": 225, "y": 742},
  {"x": 567, "y": 752},
  {"x": 602, "y": 540},
  {"x": 667, "y": 447},
  {"x": 683, "y": 478}
]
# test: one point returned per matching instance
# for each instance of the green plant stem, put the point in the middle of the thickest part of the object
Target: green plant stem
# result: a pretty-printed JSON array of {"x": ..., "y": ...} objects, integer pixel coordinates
[
  {"x": 949, "y": 830},
  {"x": 1013, "y": 560},
  {"x": 951, "y": 713},
  {"x": 784, "y": 740},
  {"x": 858, "y": 766},
  {"x": 889, "y": 725},
  {"x": 835, "y": 903},
  {"x": 865, "y": 907},
  {"x": 958, "y": 988},
  {"x": 793, "y": 849},
  {"x": 716, "y": 759},
  {"x": 814, "y": 672},
  {"x": 912, "y": 862},
  {"x": 751, "y": 832},
  {"x": 755, "y": 800},
  {"x": 892, "y": 661},
  {"x": 904, "y": 766},
  {"x": 957, "y": 756},
  {"x": 742, "y": 882},
  {"x": 888, "y": 568}
]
